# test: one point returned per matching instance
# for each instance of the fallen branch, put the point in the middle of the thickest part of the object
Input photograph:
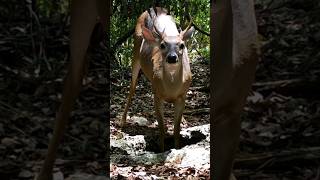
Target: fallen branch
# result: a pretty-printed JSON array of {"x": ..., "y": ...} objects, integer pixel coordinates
[
  {"x": 282, "y": 158},
  {"x": 200, "y": 88},
  {"x": 277, "y": 83},
  {"x": 307, "y": 88},
  {"x": 197, "y": 111},
  {"x": 193, "y": 112}
]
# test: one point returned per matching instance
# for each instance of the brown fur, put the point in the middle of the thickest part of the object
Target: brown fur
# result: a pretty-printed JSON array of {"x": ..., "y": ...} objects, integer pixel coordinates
[{"x": 235, "y": 59}]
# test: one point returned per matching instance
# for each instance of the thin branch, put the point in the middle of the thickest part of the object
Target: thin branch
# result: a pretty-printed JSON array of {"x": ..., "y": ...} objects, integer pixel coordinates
[{"x": 200, "y": 30}]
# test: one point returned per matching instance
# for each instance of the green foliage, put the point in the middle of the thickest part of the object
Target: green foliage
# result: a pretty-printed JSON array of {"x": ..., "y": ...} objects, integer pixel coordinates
[
  {"x": 126, "y": 12},
  {"x": 49, "y": 8},
  {"x": 124, "y": 53}
]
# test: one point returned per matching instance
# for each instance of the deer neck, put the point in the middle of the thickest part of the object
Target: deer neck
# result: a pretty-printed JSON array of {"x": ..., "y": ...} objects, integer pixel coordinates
[{"x": 172, "y": 73}]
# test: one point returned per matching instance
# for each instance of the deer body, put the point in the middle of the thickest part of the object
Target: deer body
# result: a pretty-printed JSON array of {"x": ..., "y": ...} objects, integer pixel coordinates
[
  {"x": 235, "y": 52},
  {"x": 168, "y": 81},
  {"x": 163, "y": 58}
]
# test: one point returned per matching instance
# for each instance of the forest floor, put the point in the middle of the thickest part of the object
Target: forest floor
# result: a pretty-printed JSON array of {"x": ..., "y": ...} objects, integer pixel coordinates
[
  {"x": 280, "y": 128},
  {"x": 196, "y": 114}
]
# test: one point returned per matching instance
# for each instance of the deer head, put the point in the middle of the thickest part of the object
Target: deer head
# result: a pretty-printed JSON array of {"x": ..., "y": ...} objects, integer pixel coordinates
[{"x": 167, "y": 39}]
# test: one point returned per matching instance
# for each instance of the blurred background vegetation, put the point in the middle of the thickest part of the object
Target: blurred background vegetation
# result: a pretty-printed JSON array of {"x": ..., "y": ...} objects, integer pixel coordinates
[
  {"x": 35, "y": 33},
  {"x": 126, "y": 12}
]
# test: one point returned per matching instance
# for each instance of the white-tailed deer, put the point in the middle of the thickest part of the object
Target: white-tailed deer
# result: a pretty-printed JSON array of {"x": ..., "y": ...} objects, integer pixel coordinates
[
  {"x": 85, "y": 15},
  {"x": 160, "y": 51},
  {"x": 235, "y": 53}
]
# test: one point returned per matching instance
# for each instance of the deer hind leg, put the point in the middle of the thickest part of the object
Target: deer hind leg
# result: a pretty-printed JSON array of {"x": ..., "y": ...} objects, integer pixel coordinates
[
  {"x": 135, "y": 72},
  {"x": 83, "y": 20},
  {"x": 158, "y": 105},
  {"x": 233, "y": 75},
  {"x": 179, "y": 105}
]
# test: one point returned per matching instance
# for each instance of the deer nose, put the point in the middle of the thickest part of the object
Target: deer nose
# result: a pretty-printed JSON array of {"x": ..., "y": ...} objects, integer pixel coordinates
[{"x": 172, "y": 58}]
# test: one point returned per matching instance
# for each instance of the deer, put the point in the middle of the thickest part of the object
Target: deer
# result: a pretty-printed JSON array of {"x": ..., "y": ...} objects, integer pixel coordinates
[
  {"x": 160, "y": 52},
  {"x": 235, "y": 55}
]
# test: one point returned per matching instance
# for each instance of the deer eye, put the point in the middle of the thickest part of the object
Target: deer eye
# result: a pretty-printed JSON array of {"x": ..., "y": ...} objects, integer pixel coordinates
[
  {"x": 162, "y": 46},
  {"x": 181, "y": 46}
]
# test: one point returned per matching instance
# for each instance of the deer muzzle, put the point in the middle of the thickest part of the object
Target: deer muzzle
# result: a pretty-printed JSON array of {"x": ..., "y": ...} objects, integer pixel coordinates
[{"x": 172, "y": 58}]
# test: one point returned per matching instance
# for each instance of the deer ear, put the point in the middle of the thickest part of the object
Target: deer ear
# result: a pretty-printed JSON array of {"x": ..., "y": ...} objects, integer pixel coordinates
[
  {"x": 147, "y": 34},
  {"x": 188, "y": 33}
]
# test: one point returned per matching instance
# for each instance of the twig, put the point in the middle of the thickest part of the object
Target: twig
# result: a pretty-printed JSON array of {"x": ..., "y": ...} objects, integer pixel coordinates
[
  {"x": 198, "y": 111},
  {"x": 277, "y": 83},
  {"x": 199, "y": 88},
  {"x": 200, "y": 30},
  {"x": 193, "y": 112},
  {"x": 9, "y": 108}
]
